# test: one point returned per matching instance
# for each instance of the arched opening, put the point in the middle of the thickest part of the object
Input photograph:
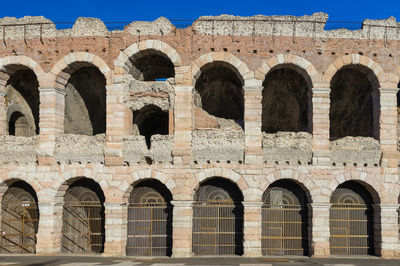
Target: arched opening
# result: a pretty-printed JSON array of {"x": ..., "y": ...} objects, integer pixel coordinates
[
  {"x": 352, "y": 220},
  {"x": 219, "y": 92},
  {"x": 19, "y": 219},
  {"x": 152, "y": 66},
  {"x": 286, "y": 102},
  {"x": 149, "y": 220},
  {"x": 85, "y": 102},
  {"x": 151, "y": 120},
  {"x": 83, "y": 218},
  {"x": 354, "y": 109},
  {"x": 218, "y": 218},
  {"x": 18, "y": 125},
  {"x": 285, "y": 219},
  {"x": 23, "y": 93}
]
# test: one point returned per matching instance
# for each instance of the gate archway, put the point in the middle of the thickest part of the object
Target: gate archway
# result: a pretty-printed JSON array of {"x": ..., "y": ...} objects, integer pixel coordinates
[
  {"x": 149, "y": 220},
  {"x": 83, "y": 218},
  {"x": 218, "y": 218},
  {"x": 285, "y": 219},
  {"x": 351, "y": 220},
  {"x": 20, "y": 218}
]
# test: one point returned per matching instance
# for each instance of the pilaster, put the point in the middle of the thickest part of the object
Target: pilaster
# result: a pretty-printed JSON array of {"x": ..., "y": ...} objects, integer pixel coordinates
[
  {"x": 183, "y": 124},
  {"x": 320, "y": 125},
  {"x": 182, "y": 224},
  {"x": 51, "y": 122},
  {"x": 320, "y": 229},
  {"x": 252, "y": 229},
  {"x": 252, "y": 121}
]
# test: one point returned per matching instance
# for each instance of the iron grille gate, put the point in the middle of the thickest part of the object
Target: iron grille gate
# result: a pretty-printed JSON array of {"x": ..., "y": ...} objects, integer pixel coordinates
[
  {"x": 83, "y": 222},
  {"x": 148, "y": 232},
  {"x": 19, "y": 225},
  {"x": 149, "y": 221},
  {"x": 350, "y": 229},
  {"x": 282, "y": 230},
  {"x": 284, "y": 220},
  {"x": 217, "y": 228},
  {"x": 351, "y": 224},
  {"x": 218, "y": 219}
]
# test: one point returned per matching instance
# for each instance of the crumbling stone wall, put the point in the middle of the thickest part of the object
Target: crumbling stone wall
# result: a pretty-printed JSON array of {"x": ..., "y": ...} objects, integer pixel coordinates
[
  {"x": 18, "y": 150},
  {"x": 74, "y": 148},
  {"x": 287, "y": 148},
  {"x": 216, "y": 145},
  {"x": 136, "y": 151},
  {"x": 356, "y": 151}
]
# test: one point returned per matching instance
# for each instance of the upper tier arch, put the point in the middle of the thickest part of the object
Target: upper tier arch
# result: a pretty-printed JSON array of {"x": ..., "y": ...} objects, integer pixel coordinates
[
  {"x": 303, "y": 64},
  {"x": 63, "y": 69},
  {"x": 244, "y": 73},
  {"x": 355, "y": 59},
  {"x": 21, "y": 61},
  {"x": 122, "y": 63}
]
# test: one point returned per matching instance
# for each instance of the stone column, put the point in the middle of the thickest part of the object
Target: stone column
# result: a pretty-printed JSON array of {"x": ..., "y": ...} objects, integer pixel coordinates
[
  {"x": 320, "y": 229},
  {"x": 182, "y": 221},
  {"x": 51, "y": 122},
  {"x": 3, "y": 114},
  {"x": 252, "y": 121},
  {"x": 252, "y": 229},
  {"x": 117, "y": 124},
  {"x": 183, "y": 124},
  {"x": 115, "y": 228},
  {"x": 387, "y": 125},
  {"x": 320, "y": 125},
  {"x": 49, "y": 230},
  {"x": 389, "y": 226}
]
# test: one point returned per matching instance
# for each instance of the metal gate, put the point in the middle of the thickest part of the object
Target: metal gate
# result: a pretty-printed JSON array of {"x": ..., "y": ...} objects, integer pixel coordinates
[
  {"x": 19, "y": 223},
  {"x": 149, "y": 223},
  {"x": 284, "y": 223},
  {"x": 217, "y": 222},
  {"x": 83, "y": 221},
  {"x": 351, "y": 224}
]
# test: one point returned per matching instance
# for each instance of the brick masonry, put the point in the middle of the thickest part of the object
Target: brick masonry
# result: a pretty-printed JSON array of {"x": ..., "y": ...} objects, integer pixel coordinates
[{"x": 54, "y": 56}]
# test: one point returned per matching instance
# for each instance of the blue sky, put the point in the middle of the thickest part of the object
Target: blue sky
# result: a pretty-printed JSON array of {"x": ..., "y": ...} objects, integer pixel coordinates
[{"x": 125, "y": 10}]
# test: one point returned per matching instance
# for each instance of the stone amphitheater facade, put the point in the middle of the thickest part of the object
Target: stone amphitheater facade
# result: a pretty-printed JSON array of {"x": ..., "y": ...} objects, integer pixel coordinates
[{"x": 250, "y": 114}]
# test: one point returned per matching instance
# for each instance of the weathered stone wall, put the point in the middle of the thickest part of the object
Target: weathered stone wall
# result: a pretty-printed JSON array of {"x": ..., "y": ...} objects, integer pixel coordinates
[
  {"x": 218, "y": 146},
  {"x": 73, "y": 148},
  {"x": 18, "y": 150},
  {"x": 287, "y": 148},
  {"x": 205, "y": 142}
]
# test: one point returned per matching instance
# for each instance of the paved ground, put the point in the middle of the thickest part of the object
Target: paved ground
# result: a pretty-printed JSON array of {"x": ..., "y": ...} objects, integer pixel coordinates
[{"x": 91, "y": 261}]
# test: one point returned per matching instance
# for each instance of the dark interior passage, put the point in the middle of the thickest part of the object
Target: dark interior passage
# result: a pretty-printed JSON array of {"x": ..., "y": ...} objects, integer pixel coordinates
[
  {"x": 152, "y": 66},
  {"x": 23, "y": 93},
  {"x": 151, "y": 120},
  {"x": 286, "y": 102},
  {"x": 85, "y": 102},
  {"x": 220, "y": 92},
  {"x": 352, "y": 104}
]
